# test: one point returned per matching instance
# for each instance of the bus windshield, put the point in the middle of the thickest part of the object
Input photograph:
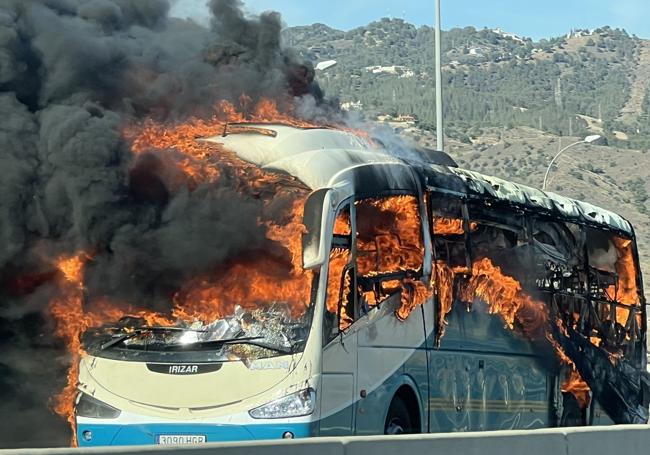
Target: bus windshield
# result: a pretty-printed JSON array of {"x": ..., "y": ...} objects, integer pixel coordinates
[{"x": 247, "y": 334}]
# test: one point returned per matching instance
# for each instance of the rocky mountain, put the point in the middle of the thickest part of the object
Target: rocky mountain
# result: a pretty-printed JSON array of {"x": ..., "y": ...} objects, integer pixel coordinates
[{"x": 586, "y": 81}]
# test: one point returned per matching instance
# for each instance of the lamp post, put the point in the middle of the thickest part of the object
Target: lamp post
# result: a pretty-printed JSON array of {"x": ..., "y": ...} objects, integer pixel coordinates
[
  {"x": 439, "y": 132},
  {"x": 587, "y": 140}
]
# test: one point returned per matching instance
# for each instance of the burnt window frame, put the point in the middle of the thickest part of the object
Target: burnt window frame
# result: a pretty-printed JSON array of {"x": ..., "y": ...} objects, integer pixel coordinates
[
  {"x": 634, "y": 348},
  {"x": 589, "y": 306},
  {"x": 340, "y": 241},
  {"x": 424, "y": 270},
  {"x": 581, "y": 247},
  {"x": 333, "y": 329},
  {"x": 505, "y": 217},
  {"x": 462, "y": 200},
  {"x": 480, "y": 211}
]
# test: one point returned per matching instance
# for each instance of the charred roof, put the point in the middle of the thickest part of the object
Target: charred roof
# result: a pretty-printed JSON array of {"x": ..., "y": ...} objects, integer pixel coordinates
[{"x": 323, "y": 157}]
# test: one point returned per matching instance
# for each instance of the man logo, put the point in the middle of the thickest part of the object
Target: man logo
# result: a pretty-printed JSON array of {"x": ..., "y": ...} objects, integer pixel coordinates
[{"x": 183, "y": 369}]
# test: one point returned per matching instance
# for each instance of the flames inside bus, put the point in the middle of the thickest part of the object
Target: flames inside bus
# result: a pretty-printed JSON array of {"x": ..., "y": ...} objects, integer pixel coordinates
[{"x": 571, "y": 289}]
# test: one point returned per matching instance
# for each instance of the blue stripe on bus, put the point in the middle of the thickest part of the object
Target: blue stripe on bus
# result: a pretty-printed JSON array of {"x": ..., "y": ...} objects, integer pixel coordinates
[{"x": 147, "y": 434}]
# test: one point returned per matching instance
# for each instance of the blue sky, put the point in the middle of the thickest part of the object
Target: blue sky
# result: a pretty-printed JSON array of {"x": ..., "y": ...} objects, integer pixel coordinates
[{"x": 533, "y": 18}]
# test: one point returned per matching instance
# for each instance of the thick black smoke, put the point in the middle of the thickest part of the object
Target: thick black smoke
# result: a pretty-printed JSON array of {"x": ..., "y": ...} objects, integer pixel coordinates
[{"x": 73, "y": 73}]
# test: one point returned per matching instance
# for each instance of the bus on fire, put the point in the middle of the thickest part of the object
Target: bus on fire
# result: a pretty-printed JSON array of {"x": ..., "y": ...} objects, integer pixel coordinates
[{"x": 441, "y": 300}]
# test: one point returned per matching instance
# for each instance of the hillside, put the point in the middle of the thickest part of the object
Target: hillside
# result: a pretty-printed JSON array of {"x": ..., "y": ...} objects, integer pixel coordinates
[{"x": 492, "y": 78}]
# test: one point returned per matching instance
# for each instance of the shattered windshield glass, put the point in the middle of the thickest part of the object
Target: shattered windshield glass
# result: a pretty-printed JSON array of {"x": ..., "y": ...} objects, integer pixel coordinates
[{"x": 244, "y": 335}]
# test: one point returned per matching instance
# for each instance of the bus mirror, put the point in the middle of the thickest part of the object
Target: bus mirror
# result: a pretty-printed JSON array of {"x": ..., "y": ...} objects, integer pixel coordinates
[{"x": 313, "y": 253}]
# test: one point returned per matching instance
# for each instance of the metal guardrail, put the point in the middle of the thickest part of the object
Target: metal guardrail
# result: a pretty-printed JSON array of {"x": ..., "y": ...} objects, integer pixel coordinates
[{"x": 613, "y": 440}]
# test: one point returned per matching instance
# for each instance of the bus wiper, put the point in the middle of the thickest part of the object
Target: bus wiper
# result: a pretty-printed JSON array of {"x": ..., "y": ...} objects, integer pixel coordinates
[{"x": 127, "y": 336}]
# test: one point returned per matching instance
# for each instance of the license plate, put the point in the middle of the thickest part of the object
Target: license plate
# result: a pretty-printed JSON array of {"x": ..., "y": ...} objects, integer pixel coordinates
[{"x": 180, "y": 439}]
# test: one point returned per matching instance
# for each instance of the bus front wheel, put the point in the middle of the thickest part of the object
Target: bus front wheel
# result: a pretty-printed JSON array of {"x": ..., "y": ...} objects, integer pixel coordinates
[{"x": 398, "y": 420}]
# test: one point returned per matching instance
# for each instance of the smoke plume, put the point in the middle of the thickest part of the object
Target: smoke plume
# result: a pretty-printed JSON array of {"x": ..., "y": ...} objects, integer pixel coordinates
[{"x": 73, "y": 74}]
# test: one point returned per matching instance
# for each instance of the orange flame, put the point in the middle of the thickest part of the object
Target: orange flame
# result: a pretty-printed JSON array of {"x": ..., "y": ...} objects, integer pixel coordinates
[
  {"x": 444, "y": 277},
  {"x": 68, "y": 312},
  {"x": 505, "y": 297},
  {"x": 574, "y": 384},
  {"x": 626, "y": 292},
  {"x": 72, "y": 268},
  {"x": 389, "y": 238},
  {"x": 414, "y": 293},
  {"x": 626, "y": 270},
  {"x": 386, "y": 289},
  {"x": 338, "y": 260},
  {"x": 267, "y": 279},
  {"x": 342, "y": 224},
  {"x": 451, "y": 226},
  {"x": 201, "y": 161},
  {"x": 264, "y": 279},
  {"x": 502, "y": 293},
  {"x": 388, "y": 241},
  {"x": 72, "y": 319}
]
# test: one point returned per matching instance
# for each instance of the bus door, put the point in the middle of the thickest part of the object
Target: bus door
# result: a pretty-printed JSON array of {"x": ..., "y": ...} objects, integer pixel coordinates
[
  {"x": 339, "y": 339},
  {"x": 391, "y": 325}
]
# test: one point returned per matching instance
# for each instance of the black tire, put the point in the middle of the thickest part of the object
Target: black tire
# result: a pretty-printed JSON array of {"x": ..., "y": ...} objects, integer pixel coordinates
[{"x": 398, "y": 419}]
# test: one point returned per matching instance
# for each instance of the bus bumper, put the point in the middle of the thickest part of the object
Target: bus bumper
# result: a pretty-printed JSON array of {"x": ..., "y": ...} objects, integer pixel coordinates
[{"x": 90, "y": 435}]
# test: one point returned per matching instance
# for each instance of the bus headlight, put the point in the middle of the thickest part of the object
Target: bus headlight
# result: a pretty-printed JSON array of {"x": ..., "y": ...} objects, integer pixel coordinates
[
  {"x": 88, "y": 406},
  {"x": 294, "y": 405}
]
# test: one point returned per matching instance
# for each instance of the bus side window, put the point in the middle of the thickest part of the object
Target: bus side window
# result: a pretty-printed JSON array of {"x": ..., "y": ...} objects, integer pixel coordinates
[
  {"x": 340, "y": 299},
  {"x": 613, "y": 288},
  {"x": 589, "y": 277},
  {"x": 449, "y": 226},
  {"x": 559, "y": 256},
  {"x": 505, "y": 246},
  {"x": 389, "y": 248},
  {"x": 561, "y": 268}
]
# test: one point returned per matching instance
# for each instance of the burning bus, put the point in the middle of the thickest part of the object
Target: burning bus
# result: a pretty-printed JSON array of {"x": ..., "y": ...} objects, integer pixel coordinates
[{"x": 420, "y": 298}]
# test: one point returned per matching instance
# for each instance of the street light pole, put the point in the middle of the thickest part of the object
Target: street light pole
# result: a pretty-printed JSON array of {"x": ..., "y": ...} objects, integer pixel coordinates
[
  {"x": 587, "y": 140},
  {"x": 439, "y": 132}
]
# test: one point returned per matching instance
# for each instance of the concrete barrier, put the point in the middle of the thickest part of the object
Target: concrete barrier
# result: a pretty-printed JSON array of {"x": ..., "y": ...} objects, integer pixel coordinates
[
  {"x": 314, "y": 446},
  {"x": 615, "y": 440},
  {"x": 542, "y": 442}
]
